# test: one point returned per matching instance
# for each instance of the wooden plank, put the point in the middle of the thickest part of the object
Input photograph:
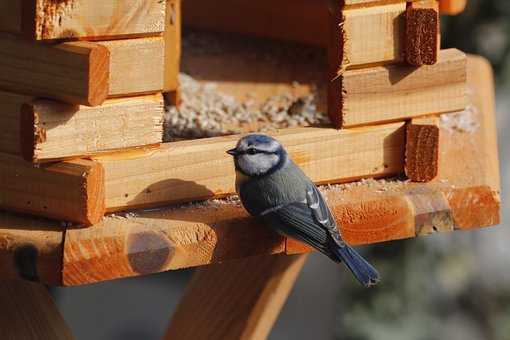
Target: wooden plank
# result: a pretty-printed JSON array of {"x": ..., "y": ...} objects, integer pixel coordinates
[
  {"x": 126, "y": 245},
  {"x": 30, "y": 313},
  {"x": 53, "y": 130},
  {"x": 256, "y": 288},
  {"x": 452, "y": 7},
  {"x": 422, "y": 32},
  {"x": 422, "y": 149},
  {"x": 388, "y": 93},
  {"x": 69, "y": 191},
  {"x": 47, "y": 19},
  {"x": 31, "y": 248},
  {"x": 137, "y": 66},
  {"x": 199, "y": 169},
  {"x": 74, "y": 72},
  {"x": 172, "y": 37}
]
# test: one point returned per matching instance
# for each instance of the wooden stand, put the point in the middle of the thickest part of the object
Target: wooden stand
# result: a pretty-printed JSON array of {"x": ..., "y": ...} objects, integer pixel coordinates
[{"x": 241, "y": 299}]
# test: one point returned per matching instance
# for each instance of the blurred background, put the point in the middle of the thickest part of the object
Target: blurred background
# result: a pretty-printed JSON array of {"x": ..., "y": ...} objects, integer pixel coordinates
[{"x": 453, "y": 286}]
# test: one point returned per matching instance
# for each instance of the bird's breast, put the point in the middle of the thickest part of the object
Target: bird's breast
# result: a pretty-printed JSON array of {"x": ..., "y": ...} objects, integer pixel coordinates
[{"x": 240, "y": 180}]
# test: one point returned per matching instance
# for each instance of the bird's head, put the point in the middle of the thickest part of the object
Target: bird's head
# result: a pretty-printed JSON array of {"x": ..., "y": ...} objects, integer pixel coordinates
[{"x": 258, "y": 155}]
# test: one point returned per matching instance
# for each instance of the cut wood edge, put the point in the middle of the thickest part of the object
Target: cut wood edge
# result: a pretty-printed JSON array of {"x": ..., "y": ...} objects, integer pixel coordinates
[
  {"x": 422, "y": 33},
  {"x": 48, "y": 128},
  {"x": 422, "y": 149},
  {"x": 83, "y": 201}
]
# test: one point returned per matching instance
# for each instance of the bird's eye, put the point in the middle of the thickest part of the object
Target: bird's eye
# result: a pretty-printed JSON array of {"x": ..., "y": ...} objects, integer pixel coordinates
[{"x": 251, "y": 151}]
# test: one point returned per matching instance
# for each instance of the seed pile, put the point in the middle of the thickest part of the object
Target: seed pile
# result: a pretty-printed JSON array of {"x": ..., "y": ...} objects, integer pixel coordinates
[{"x": 207, "y": 112}]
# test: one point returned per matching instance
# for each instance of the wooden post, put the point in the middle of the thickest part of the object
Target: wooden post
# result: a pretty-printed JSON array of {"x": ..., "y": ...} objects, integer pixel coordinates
[
  {"x": 29, "y": 313},
  {"x": 235, "y": 300}
]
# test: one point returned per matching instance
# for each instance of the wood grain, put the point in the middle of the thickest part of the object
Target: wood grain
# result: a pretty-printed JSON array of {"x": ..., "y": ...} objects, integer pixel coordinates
[
  {"x": 452, "y": 7},
  {"x": 422, "y": 33},
  {"x": 53, "y": 130},
  {"x": 139, "y": 244},
  {"x": 388, "y": 93},
  {"x": 256, "y": 288},
  {"x": 74, "y": 72},
  {"x": 422, "y": 149},
  {"x": 30, "y": 313},
  {"x": 172, "y": 37},
  {"x": 199, "y": 169},
  {"x": 137, "y": 66},
  {"x": 69, "y": 191},
  {"x": 72, "y": 19}
]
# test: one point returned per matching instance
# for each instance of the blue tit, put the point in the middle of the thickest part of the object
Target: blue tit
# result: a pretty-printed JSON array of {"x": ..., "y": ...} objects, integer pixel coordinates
[{"x": 273, "y": 188}]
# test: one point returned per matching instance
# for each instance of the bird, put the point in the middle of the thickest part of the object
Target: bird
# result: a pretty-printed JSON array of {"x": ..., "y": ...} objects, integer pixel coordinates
[{"x": 275, "y": 190}]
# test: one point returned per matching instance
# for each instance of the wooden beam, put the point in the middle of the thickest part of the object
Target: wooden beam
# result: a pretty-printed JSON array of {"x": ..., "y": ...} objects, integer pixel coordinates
[
  {"x": 422, "y": 32},
  {"x": 199, "y": 169},
  {"x": 69, "y": 191},
  {"x": 31, "y": 248},
  {"x": 422, "y": 149},
  {"x": 30, "y": 313},
  {"x": 172, "y": 37},
  {"x": 256, "y": 288},
  {"x": 137, "y": 66},
  {"x": 74, "y": 72},
  {"x": 47, "y": 19},
  {"x": 452, "y": 7},
  {"x": 395, "y": 92},
  {"x": 52, "y": 130}
]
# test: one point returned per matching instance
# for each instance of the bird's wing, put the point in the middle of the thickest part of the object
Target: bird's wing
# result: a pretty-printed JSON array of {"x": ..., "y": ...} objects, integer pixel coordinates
[{"x": 309, "y": 220}]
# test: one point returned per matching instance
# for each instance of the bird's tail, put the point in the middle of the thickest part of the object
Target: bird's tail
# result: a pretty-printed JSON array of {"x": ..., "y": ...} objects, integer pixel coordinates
[{"x": 364, "y": 272}]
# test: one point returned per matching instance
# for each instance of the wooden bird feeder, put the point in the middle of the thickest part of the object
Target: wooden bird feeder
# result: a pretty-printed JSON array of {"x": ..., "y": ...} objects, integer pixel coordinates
[{"x": 83, "y": 85}]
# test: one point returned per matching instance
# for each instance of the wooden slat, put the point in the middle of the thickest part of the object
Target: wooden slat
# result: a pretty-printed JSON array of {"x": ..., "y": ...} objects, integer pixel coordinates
[
  {"x": 199, "y": 169},
  {"x": 69, "y": 191},
  {"x": 422, "y": 149},
  {"x": 48, "y": 19},
  {"x": 75, "y": 72},
  {"x": 256, "y": 288},
  {"x": 452, "y": 7},
  {"x": 31, "y": 248},
  {"x": 172, "y": 37},
  {"x": 137, "y": 66},
  {"x": 29, "y": 313},
  {"x": 422, "y": 32},
  {"x": 53, "y": 130},
  {"x": 387, "y": 93},
  {"x": 173, "y": 239}
]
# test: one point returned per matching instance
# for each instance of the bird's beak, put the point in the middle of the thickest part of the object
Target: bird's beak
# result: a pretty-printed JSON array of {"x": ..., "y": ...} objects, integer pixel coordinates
[{"x": 232, "y": 152}]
